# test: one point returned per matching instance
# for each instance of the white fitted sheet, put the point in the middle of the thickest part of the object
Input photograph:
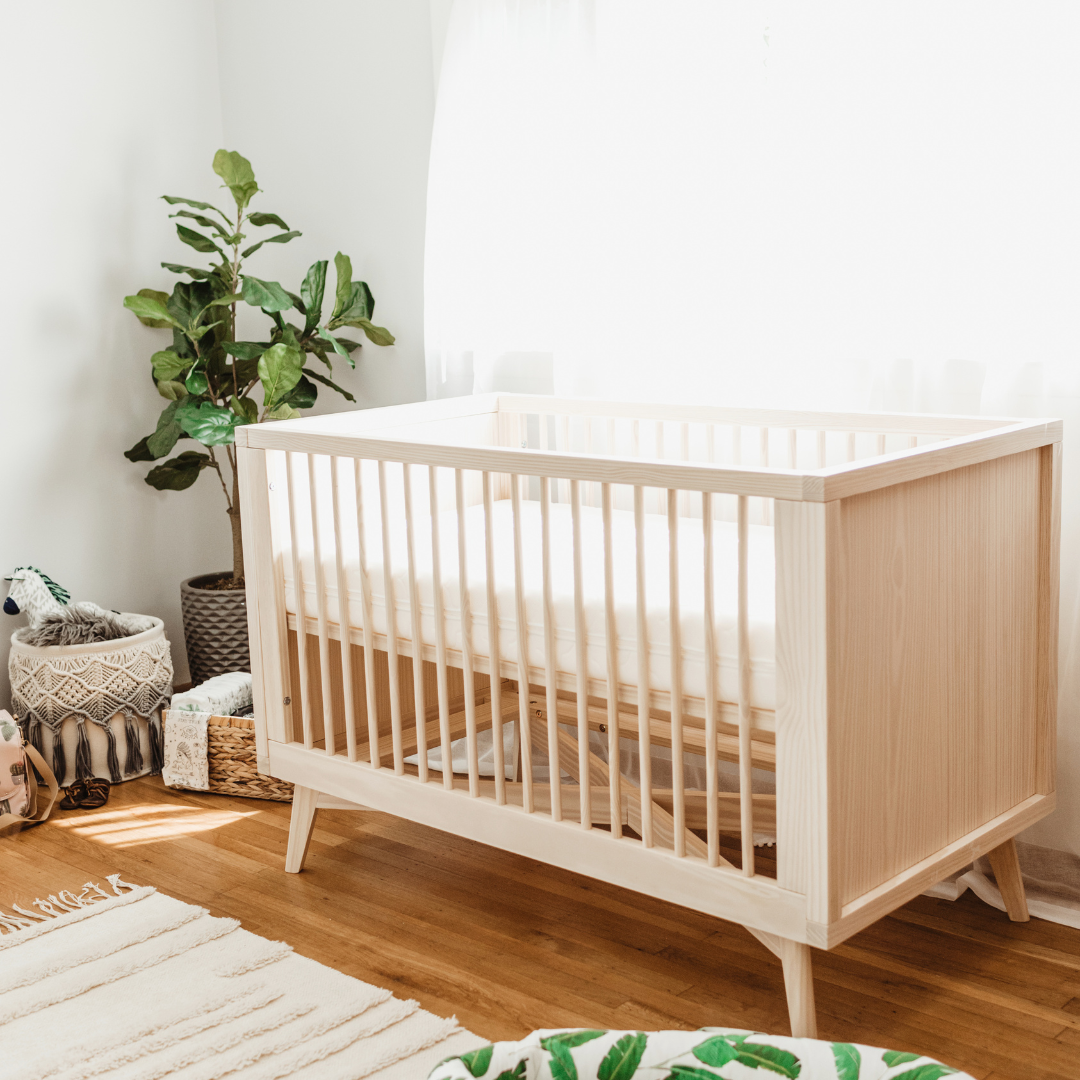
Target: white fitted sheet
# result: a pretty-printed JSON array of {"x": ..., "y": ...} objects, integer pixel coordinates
[{"x": 691, "y": 578}]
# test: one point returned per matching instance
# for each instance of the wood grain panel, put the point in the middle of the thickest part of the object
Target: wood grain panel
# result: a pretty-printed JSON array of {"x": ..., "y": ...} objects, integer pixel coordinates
[{"x": 933, "y": 618}]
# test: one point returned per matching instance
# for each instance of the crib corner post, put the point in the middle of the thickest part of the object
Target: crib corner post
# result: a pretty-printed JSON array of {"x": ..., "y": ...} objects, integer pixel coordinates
[
  {"x": 799, "y": 987},
  {"x": 301, "y": 825}
]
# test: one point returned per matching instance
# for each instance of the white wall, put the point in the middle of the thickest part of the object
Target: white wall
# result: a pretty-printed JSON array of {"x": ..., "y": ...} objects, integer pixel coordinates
[
  {"x": 106, "y": 107},
  {"x": 339, "y": 142}
]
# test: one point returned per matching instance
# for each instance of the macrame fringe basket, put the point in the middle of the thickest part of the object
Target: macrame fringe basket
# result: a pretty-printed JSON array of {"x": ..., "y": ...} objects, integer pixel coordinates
[{"x": 94, "y": 710}]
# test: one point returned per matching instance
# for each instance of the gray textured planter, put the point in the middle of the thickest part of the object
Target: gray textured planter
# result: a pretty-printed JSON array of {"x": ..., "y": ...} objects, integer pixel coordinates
[{"x": 215, "y": 629}]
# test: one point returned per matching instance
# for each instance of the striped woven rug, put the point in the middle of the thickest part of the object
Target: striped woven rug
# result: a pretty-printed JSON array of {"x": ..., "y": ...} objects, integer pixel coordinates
[{"x": 135, "y": 985}]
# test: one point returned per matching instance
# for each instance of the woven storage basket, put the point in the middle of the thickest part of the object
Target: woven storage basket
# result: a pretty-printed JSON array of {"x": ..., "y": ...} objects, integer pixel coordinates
[{"x": 230, "y": 751}]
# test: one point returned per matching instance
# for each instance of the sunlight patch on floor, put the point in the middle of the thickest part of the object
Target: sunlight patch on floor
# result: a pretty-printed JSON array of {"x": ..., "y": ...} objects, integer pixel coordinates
[{"x": 135, "y": 825}]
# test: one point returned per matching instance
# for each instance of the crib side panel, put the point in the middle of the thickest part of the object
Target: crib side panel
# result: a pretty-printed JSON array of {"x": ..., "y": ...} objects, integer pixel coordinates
[{"x": 934, "y": 663}]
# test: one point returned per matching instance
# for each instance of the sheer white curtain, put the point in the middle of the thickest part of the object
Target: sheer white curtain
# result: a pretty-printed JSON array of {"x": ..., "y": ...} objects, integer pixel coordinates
[{"x": 838, "y": 205}]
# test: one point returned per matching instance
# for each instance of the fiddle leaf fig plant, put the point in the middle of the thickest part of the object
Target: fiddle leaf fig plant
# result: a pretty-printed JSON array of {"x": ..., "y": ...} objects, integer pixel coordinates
[{"x": 213, "y": 383}]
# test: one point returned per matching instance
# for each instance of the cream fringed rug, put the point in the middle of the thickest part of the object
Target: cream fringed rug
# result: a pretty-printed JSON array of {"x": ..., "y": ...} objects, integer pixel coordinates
[{"x": 135, "y": 985}]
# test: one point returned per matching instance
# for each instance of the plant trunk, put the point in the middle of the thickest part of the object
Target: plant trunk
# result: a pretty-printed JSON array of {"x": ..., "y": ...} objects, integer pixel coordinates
[{"x": 237, "y": 535}]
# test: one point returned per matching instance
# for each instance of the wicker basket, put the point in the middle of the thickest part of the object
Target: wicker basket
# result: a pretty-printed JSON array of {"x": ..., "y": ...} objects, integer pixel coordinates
[{"x": 230, "y": 752}]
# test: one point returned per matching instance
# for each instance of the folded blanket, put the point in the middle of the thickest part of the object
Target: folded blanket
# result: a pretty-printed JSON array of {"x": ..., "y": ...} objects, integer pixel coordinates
[{"x": 710, "y": 1053}]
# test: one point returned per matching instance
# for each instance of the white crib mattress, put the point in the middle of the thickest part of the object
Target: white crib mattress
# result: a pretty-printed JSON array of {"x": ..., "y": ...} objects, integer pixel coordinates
[{"x": 761, "y": 596}]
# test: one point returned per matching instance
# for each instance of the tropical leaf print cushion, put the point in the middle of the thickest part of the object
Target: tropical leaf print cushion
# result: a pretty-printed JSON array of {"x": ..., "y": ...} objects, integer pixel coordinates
[{"x": 708, "y": 1054}]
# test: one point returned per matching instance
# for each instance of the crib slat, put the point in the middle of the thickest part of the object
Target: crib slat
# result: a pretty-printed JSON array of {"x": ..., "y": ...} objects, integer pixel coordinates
[
  {"x": 348, "y": 686},
  {"x": 440, "y": 633},
  {"x": 913, "y": 441},
  {"x": 851, "y": 446},
  {"x": 420, "y": 711},
  {"x": 684, "y": 455},
  {"x": 881, "y": 444},
  {"x": 564, "y": 445},
  {"x": 369, "y": 628},
  {"x": 555, "y": 777},
  {"x": 712, "y": 822},
  {"x": 793, "y": 448},
  {"x": 635, "y": 438},
  {"x": 644, "y": 747},
  {"x": 320, "y": 610},
  {"x": 746, "y": 796},
  {"x": 495, "y": 666},
  {"x": 765, "y": 504},
  {"x": 301, "y": 615},
  {"x": 524, "y": 721},
  {"x": 581, "y": 657},
  {"x": 674, "y": 631},
  {"x": 466, "y": 637},
  {"x": 821, "y": 449},
  {"x": 611, "y": 641},
  {"x": 391, "y": 625}
]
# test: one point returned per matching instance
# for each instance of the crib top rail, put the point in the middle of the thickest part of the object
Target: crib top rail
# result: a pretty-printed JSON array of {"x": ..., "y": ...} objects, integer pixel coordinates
[{"x": 428, "y": 433}]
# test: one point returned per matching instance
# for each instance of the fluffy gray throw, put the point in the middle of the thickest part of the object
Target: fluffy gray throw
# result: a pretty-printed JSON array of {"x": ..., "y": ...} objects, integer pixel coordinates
[{"x": 81, "y": 625}]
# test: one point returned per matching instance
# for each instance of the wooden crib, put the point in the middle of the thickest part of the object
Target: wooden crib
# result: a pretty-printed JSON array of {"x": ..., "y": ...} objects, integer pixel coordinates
[{"x": 835, "y": 630}]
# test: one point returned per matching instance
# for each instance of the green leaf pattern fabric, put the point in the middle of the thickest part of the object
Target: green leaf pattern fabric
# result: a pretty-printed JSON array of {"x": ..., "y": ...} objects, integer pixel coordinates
[{"x": 708, "y": 1054}]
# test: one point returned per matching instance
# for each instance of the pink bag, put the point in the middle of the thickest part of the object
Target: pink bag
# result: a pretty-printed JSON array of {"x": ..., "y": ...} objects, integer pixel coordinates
[{"x": 19, "y": 802}]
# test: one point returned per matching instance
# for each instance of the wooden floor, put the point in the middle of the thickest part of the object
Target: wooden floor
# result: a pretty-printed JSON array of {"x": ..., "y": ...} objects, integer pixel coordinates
[{"x": 510, "y": 945}]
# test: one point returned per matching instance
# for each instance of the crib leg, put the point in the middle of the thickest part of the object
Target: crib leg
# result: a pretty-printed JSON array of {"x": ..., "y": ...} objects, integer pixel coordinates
[
  {"x": 799, "y": 985},
  {"x": 304, "y": 802},
  {"x": 1006, "y": 866}
]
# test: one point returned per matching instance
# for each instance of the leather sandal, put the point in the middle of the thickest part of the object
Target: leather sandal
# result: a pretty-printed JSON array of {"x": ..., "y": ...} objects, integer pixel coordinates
[{"x": 73, "y": 796}]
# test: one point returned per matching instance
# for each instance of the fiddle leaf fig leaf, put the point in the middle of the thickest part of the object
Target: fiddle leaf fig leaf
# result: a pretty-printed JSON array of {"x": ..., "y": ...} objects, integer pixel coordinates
[
  {"x": 311, "y": 292},
  {"x": 205, "y": 222},
  {"x": 279, "y": 370},
  {"x": 179, "y": 473},
  {"x": 343, "y": 296},
  {"x": 210, "y": 424},
  {"x": 281, "y": 238},
  {"x": 197, "y": 240},
  {"x": 377, "y": 335},
  {"x": 302, "y": 395},
  {"x": 284, "y": 411},
  {"x": 167, "y": 365},
  {"x": 200, "y": 331},
  {"x": 327, "y": 382},
  {"x": 238, "y": 175},
  {"x": 170, "y": 390},
  {"x": 361, "y": 303},
  {"x": 225, "y": 301},
  {"x": 245, "y": 350},
  {"x": 196, "y": 382},
  {"x": 139, "y": 452},
  {"x": 259, "y": 218},
  {"x": 245, "y": 409},
  {"x": 339, "y": 347},
  {"x": 149, "y": 308},
  {"x": 172, "y": 200},
  {"x": 168, "y": 431},
  {"x": 268, "y": 295},
  {"x": 194, "y": 271}
]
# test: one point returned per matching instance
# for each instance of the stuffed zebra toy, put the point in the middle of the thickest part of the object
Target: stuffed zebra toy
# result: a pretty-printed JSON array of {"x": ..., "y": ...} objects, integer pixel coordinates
[{"x": 54, "y": 620}]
